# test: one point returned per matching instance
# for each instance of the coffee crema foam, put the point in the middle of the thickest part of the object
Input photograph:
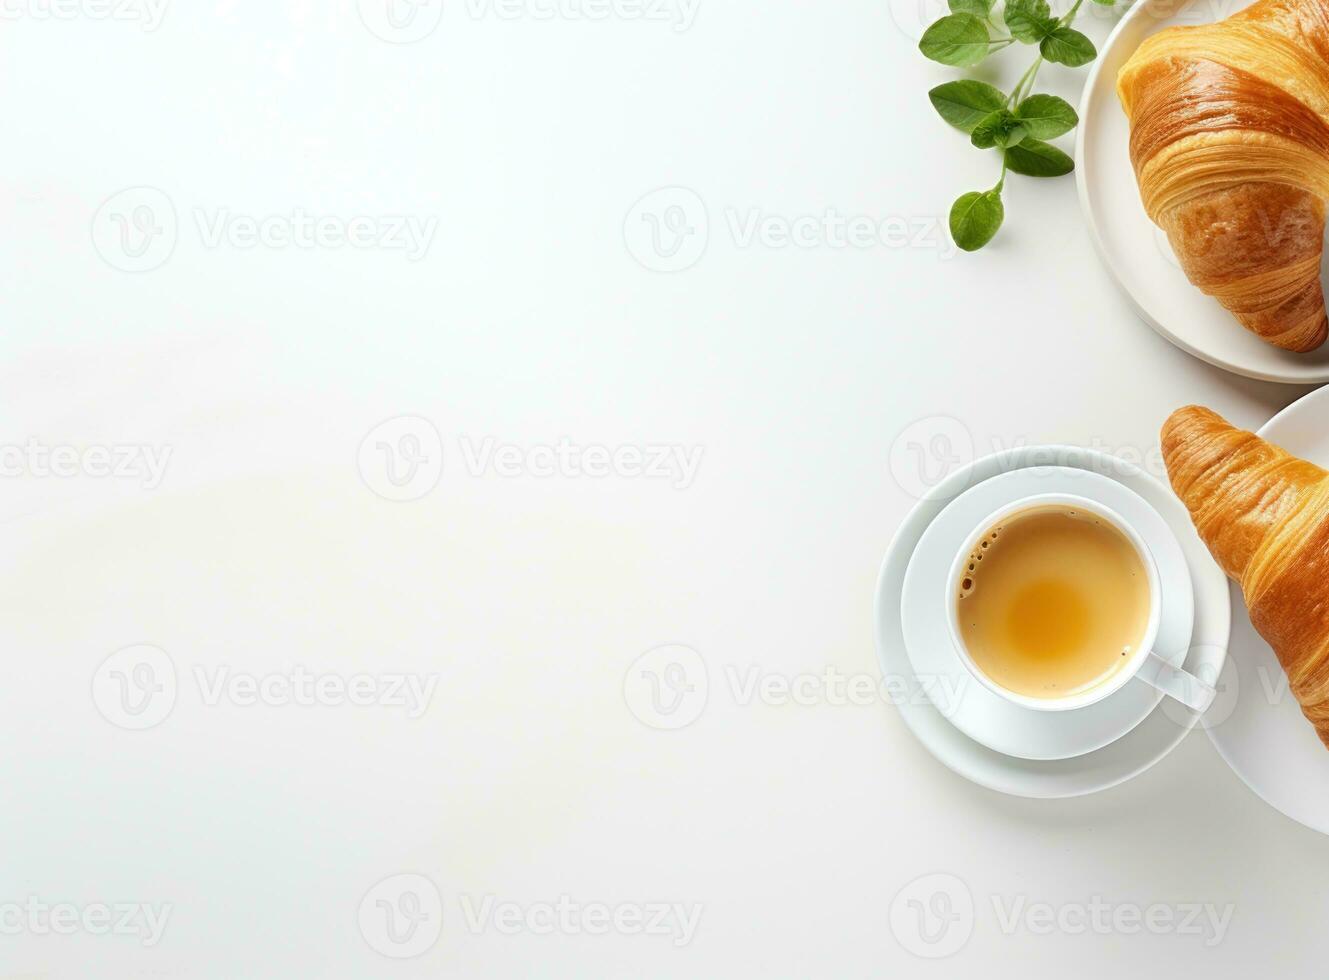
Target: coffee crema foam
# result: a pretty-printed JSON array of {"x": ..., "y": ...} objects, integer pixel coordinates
[
  {"x": 989, "y": 538},
  {"x": 1052, "y": 601}
]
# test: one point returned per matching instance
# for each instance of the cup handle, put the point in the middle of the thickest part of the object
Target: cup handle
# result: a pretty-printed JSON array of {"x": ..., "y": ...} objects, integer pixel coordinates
[{"x": 1177, "y": 683}]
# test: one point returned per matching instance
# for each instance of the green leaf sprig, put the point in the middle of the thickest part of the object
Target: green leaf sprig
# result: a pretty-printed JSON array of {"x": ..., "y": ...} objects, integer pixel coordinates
[{"x": 1017, "y": 125}]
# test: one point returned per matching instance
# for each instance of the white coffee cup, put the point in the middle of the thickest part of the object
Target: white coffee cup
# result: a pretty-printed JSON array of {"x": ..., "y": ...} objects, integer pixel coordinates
[{"x": 1144, "y": 663}]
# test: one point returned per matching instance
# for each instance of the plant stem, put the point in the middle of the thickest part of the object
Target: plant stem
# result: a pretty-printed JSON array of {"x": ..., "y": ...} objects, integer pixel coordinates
[
  {"x": 1033, "y": 73},
  {"x": 1025, "y": 83},
  {"x": 1070, "y": 14}
]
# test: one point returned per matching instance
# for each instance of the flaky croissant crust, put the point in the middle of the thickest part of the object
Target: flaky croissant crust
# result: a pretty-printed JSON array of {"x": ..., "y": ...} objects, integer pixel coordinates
[
  {"x": 1230, "y": 145},
  {"x": 1264, "y": 515}
]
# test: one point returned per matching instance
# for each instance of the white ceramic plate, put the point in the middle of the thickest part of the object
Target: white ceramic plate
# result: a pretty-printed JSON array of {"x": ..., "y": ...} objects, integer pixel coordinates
[
  {"x": 1256, "y": 723},
  {"x": 1135, "y": 251},
  {"x": 1129, "y": 755},
  {"x": 982, "y": 715}
]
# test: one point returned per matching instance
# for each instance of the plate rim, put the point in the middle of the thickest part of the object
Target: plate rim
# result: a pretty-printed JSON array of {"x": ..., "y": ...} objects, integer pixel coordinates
[
  {"x": 1300, "y": 405},
  {"x": 1082, "y": 178},
  {"x": 937, "y": 497},
  {"x": 1182, "y": 599}
]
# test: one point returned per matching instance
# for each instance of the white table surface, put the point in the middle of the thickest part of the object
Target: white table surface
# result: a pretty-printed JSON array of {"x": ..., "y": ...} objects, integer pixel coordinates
[{"x": 527, "y": 598}]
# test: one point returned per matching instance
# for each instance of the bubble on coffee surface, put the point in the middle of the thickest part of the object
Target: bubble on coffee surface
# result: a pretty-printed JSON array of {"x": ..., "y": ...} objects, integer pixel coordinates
[{"x": 969, "y": 580}]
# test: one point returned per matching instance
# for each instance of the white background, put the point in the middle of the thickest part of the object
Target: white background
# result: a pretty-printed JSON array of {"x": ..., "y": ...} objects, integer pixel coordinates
[{"x": 529, "y": 320}]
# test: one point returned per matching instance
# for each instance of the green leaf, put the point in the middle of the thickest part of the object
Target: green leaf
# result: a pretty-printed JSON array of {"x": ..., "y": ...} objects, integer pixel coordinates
[
  {"x": 964, "y": 104},
  {"x": 999, "y": 128},
  {"x": 1046, "y": 116},
  {"x": 979, "y": 8},
  {"x": 975, "y": 218},
  {"x": 1105, "y": 3},
  {"x": 1034, "y": 158},
  {"x": 1068, "y": 47},
  {"x": 957, "y": 39},
  {"x": 1029, "y": 20},
  {"x": 984, "y": 134}
]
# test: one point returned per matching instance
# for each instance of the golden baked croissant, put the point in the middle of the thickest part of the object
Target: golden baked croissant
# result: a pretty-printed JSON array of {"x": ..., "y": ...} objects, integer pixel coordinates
[
  {"x": 1265, "y": 516},
  {"x": 1230, "y": 144}
]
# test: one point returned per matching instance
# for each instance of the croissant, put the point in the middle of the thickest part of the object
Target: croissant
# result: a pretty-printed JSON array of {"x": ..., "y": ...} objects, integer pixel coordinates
[
  {"x": 1230, "y": 145},
  {"x": 1264, "y": 515}
]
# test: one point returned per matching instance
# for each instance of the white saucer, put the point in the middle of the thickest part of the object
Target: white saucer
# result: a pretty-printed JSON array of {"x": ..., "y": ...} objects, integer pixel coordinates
[
  {"x": 978, "y": 712},
  {"x": 1256, "y": 723},
  {"x": 1116, "y": 762},
  {"x": 1135, "y": 251}
]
